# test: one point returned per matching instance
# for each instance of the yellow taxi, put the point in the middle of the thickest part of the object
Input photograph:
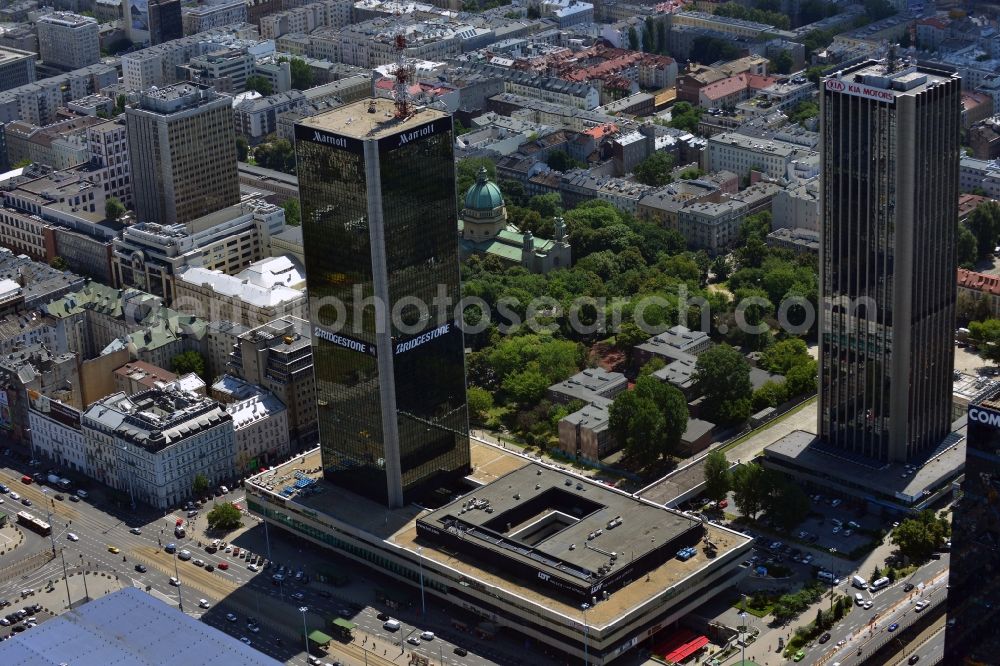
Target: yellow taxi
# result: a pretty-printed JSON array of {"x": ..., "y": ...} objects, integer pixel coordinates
[{"x": 114, "y": 550}]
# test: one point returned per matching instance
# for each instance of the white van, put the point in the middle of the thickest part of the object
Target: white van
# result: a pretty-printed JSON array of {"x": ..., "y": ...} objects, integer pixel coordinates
[
  {"x": 859, "y": 582},
  {"x": 879, "y": 584},
  {"x": 391, "y": 625}
]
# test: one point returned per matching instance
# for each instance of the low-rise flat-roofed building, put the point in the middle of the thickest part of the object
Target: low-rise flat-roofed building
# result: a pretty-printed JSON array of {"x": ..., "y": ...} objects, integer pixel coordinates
[
  {"x": 589, "y": 385},
  {"x": 980, "y": 286},
  {"x": 678, "y": 342},
  {"x": 586, "y": 433},
  {"x": 797, "y": 240},
  {"x": 518, "y": 552},
  {"x": 289, "y": 244},
  {"x": 153, "y": 444}
]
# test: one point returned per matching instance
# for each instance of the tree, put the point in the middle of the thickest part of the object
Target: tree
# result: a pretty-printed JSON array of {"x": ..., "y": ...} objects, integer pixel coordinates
[
  {"x": 293, "y": 214},
  {"x": 259, "y": 84},
  {"x": 783, "y": 63},
  {"x": 967, "y": 247},
  {"x": 120, "y": 103},
  {"x": 986, "y": 335},
  {"x": 756, "y": 226},
  {"x": 749, "y": 489},
  {"x": 790, "y": 504},
  {"x": 720, "y": 268},
  {"x": 189, "y": 361},
  {"x": 224, "y": 517},
  {"x": 467, "y": 170},
  {"x": 706, "y": 49},
  {"x": 803, "y": 111},
  {"x": 278, "y": 155},
  {"x": 560, "y": 160},
  {"x": 984, "y": 223},
  {"x": 771, "y": 394},
  {"x": 58, "y": 263},
  {"x": 655, "y": 169},
  {"x": 526, "y": 387},
  {"x": 200, "y": 484},
  {"x": 784, "y": 355},
  {"x": 685, "y": 117},
  {"x": 633, "y": 38},
  {"x": 649, "y": 419},
  {"x": 301, "y": 74},
  {"x": 971, "y": 308},
  {"x": 876, "y": 10},
  {"x": 480, "y": 402},
  {"x": 546, "y": 205},
  {"x": 722, "y": 375},
  {"x": 718, "y": 480},
  {"x": 916, "y": 538},
  {"x": 113, "y": 209},
  {"x": 820, "y": 625},
  {"x": 242, "y": 149}
]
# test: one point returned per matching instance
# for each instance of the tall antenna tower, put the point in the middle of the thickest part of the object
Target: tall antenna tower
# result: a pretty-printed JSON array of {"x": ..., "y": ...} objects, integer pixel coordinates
[{"x": 400, "y": 91}]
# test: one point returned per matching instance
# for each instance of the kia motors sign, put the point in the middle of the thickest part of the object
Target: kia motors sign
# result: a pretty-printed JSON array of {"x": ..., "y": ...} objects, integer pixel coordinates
[{"x": 861, "y": 90}]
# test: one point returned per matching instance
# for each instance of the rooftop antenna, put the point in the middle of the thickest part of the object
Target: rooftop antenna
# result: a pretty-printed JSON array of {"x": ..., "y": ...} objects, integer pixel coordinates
[
  {"x": 891, "y": 65},
  {"x": 399, "y": 91}
]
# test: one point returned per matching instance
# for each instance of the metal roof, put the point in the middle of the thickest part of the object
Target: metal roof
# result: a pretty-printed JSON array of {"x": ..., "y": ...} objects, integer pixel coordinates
[{"x": 127, "y": 627}]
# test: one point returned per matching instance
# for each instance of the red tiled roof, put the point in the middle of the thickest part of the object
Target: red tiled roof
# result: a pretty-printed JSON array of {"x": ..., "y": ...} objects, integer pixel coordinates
[
  {"x": 725, "y": 87},
  {"x": 987, "y": 284},
  {"x": 971, "y": 100},
  {"x": 758, "y": 82},
  {"x": 600, "y": 131}
]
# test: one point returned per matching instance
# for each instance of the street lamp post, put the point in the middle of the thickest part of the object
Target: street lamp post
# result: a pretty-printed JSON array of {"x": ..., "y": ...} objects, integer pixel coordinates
[
  {"x": 305, "y": 631},
  {"x": 180, "y": 599},
  {"x": 420, "y": 563},
  {"x": 586, "y": 637}
]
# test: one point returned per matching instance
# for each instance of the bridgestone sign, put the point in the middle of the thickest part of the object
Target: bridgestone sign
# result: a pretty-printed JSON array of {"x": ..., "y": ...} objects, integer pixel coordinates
[
  {"x": 861, "y": 90},
  {"x": 984, "y": 416}
]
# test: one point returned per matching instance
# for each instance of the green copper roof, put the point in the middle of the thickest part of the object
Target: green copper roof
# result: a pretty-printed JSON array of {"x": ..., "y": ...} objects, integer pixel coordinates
[{"x": 484, "y": 195}]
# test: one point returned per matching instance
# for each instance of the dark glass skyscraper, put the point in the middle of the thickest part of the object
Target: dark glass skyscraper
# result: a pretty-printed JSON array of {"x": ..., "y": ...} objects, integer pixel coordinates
[
  {"x": 890, "y": 149},
  {"x": 974, "y": 580},
  {"x": 379, "y": 225}
]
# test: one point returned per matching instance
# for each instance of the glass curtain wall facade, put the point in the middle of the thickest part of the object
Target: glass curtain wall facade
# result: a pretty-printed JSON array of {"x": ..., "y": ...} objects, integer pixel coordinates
[
  {"x": 890, "y": 143},
  {"x": 974, "y": 578},
  {"x": 381, "y": 249}
]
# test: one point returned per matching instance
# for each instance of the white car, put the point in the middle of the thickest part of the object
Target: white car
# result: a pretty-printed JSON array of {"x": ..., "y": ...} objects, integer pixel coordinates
[
  {"x": 922, "y": 604},
  {"x": 231, "y": 617},
  {"x": 413, "y": 640},
  {"x": 14, "y": 496},
  {"x": 244, "y": 639},
  {"x": 253, "y": 567},
  {"x": 427, "y": 636},
  {"x": 298, "y": 596},
  {"x": 868, "y": 604},
  {"x": 203, "y": 603},
  {"x": 72, "y": 537},
  {"x": 253, "y": 627},
  {"x": 175, "y": 582}
]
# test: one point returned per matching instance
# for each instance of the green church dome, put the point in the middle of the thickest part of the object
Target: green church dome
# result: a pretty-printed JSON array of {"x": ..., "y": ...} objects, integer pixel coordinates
[{"x": 484, "y": 196}]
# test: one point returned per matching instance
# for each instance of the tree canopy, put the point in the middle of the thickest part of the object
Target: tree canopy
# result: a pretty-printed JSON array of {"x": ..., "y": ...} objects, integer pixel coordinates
[
  {"x": 293, "y": 214},
  {"x": 113, "y": 208},
  {"x": 650, "y": 419},
  {"x": 916, "y": 538},
  {"x": 986, "y": 335},
  {"x": 224, "y": 517},
  {"x": 722, "y": 376},
  {"x": 718, "y": 480},
  {"x": 260, "y": 84},
  {"x": 684, "y": 116},
  {"x": 655, "y": 169},
  {"x": 984, "y": 223},
  {"x": 189, "y": 361}
]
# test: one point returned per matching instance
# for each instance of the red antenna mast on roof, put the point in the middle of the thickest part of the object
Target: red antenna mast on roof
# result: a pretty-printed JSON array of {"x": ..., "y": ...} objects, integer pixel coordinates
[{"x": 399, "y": 90}]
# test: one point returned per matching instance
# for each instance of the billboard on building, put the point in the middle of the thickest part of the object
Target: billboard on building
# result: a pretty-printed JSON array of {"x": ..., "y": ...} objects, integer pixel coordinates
[{"x": 138, "y": 11}]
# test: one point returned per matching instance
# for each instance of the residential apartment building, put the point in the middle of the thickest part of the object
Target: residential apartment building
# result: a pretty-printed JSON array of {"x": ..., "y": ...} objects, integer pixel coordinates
[
  {"x": 56, "y": 432},
  {"x": 154, "y": 444},
  {"x": 38, "y": 369},
  {"x": 226, "y": 70},
  {"x": 107, "y": 144},
  {"x": 278, "y": 357},
  {"x": 68, "y": 41},
  {"x": 264, "y": 291},
  {"x": 38, "y": 102},
  {"x": 61, "y": 145},
  {"x": 260, "y": 423},
  {"x": 305, "y": 19},
  {"x": 205, "y": 17},
  {"x": 741, "y": 154},
  {"x": 975, "y": 175},
  {"x": 149, "y": 256},
  {"x": 713, "y": 227},
  {"x": 17, "y": 68},
  {"x": 182, "y": 148},
  {"x": 797, "y": 206}
]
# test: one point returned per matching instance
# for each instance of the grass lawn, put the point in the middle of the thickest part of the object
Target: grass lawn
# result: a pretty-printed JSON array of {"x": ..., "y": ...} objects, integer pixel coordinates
[{"x": 759, "y": 612}]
